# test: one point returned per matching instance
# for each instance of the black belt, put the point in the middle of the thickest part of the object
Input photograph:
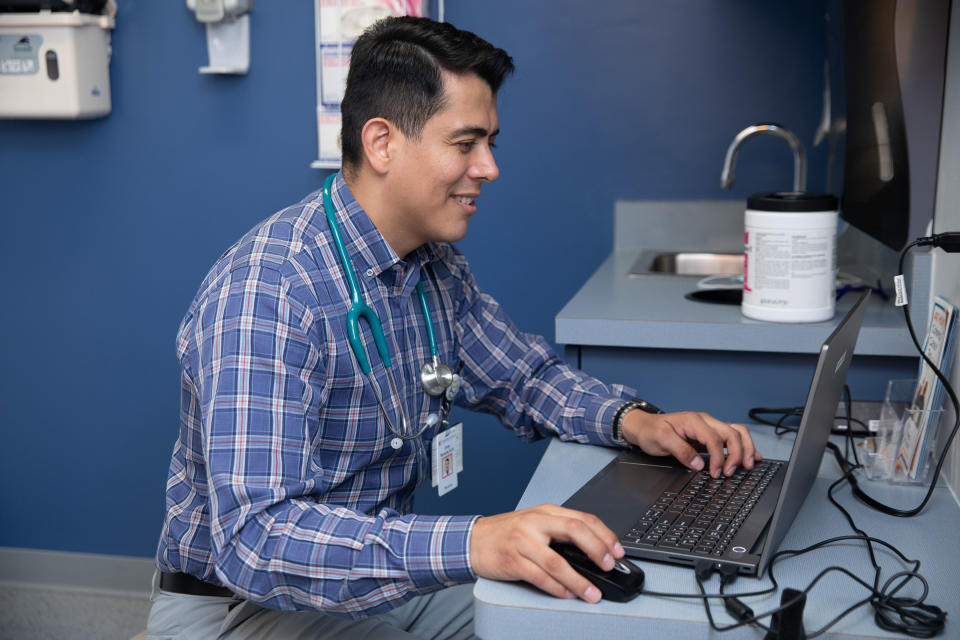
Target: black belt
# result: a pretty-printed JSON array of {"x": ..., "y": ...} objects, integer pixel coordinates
[{"x": 187, "y": 584}]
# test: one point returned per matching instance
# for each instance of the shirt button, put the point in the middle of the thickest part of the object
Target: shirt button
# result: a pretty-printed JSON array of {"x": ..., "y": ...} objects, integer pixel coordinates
[{"x": 369, "y": 273}]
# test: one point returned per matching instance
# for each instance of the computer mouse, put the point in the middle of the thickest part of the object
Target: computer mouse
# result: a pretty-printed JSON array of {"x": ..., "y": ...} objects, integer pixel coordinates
[{"x": 621, "y": 584}]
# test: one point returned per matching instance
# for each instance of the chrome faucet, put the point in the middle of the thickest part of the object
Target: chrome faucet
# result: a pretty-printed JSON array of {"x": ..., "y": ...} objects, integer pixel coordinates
[{"x": 799, "y": 155}]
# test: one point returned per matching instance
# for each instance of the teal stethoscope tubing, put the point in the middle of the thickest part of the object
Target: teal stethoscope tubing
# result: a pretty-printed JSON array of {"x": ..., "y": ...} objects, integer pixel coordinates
[{"x": 360, "y": 309}]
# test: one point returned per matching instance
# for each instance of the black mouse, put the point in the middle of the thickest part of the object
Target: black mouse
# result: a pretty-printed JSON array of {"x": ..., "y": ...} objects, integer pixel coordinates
[{"x": 621, "y": 584}]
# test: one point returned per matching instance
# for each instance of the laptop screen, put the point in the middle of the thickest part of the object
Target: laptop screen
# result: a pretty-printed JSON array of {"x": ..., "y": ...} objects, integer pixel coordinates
[{"x": 816, "y": 424}]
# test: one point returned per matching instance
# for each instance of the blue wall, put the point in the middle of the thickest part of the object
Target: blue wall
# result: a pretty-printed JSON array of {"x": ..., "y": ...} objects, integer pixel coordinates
[{"x": 108, "y": 226}]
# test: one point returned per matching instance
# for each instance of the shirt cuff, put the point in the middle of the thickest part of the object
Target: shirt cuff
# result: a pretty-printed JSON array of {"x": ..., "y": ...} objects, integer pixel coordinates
[
  {"x": 598, "y": 419},
  {"x": 438, "y": 551}
]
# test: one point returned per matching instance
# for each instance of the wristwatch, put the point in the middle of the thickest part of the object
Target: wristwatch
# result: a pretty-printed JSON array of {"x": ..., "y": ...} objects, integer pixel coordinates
[{"x": 616, "y": 430}]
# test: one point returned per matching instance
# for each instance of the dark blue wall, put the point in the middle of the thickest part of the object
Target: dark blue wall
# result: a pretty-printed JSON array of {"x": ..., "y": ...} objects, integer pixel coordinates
[{"x": 108, "y": 226}]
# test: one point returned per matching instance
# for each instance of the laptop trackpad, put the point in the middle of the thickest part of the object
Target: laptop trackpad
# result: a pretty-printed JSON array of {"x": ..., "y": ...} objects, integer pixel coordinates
[{"x": 621, "y": 492}]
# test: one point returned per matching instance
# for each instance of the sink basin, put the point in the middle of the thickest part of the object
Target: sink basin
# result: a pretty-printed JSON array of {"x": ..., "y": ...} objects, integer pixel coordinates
[{"x": 687, "y": 263}]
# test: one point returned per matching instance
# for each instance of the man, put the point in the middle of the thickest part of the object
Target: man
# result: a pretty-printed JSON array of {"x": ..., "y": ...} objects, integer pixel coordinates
[{"x": 291, "y": 483}]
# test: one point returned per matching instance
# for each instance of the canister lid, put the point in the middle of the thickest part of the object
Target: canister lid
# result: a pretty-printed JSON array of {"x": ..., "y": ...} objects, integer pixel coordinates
[{"x": 792, "y": 201}]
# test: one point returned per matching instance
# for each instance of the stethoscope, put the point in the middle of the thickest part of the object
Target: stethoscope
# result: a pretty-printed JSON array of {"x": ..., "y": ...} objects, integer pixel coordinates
[{"x": 436, "y": 378}]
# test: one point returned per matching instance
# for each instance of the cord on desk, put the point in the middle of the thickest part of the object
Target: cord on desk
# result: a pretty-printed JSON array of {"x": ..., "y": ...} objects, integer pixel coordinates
[
  {"x": 910, "y": 616},
  {"x": 756, "y": 414},
  {"x": 906, "y": 615},
  {"x": 949, "y": 242}
]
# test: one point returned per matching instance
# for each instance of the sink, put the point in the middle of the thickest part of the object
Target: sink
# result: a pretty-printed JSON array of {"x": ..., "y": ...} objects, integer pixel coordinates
[{"x": 687, "y": 263}]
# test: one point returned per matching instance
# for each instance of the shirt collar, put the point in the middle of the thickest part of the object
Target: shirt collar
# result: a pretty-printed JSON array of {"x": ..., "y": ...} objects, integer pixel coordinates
[{"x": 368, "y": 249}]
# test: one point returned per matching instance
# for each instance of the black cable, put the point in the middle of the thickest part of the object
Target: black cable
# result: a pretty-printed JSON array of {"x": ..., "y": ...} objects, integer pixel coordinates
[
  {"x": 877, "y": 594},
  {"x": 849, "y": 444},
  {"x": 902, "y": 615},
  {"x": 781, "y": 428},
  {"x": 910, "y": 616},
  {"x": 949, "y": 242},
  {"x": 756, "y": 414},
  {"x": 754, "y": 618},
  {"x": 915, "y": 618},
  {"x": 877, "y": 597}
]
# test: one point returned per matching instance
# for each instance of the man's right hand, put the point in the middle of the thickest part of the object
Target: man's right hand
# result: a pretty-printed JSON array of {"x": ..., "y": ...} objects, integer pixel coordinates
[{"x": 516, "y": 546}]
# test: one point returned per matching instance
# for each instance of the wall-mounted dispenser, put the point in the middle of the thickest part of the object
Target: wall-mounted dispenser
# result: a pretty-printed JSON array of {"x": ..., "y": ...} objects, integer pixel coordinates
[
  {"x": 55, "y": 64},
  {"x": 228, "y": 34}
]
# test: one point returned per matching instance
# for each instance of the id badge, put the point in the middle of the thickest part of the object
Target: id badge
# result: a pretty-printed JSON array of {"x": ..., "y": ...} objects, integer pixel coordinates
[{"x": 447, "y": 449}]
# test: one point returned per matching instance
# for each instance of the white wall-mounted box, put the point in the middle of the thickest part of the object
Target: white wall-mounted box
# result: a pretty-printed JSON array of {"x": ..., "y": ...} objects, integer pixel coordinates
[{"x": 55, "y": 65}]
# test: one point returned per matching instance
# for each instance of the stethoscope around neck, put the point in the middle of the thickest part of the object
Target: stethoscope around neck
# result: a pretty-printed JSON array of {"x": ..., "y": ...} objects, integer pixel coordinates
[{"x": 436, "y": 378}]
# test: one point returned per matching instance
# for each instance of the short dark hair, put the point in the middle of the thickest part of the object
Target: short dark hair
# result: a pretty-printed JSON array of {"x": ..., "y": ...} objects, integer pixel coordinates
[{"x": 395, "y": 74}]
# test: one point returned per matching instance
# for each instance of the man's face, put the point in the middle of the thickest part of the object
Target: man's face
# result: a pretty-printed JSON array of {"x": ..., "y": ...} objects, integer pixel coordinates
[{"x": 438, "y": 178}]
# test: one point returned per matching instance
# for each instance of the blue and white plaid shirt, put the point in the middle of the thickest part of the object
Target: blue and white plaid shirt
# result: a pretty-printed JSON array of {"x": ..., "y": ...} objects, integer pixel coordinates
[{"x": 283, "y": 485}]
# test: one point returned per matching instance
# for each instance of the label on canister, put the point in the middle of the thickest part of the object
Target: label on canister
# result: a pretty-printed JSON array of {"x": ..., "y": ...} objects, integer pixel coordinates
[{"x": 790, "y": 259}]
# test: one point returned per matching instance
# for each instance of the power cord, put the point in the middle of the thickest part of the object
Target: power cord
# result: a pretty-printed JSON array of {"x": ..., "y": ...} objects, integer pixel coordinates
[
  {"x": 892, "y": 613},
  {"x": 757, "y": 415},
  {"x": 910, "y": 616},
  {"x": 949, "y": 242}
]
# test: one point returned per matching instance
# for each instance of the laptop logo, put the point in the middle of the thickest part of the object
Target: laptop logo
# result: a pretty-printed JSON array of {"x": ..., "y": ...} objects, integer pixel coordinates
[{"x": 843, "y": 358}]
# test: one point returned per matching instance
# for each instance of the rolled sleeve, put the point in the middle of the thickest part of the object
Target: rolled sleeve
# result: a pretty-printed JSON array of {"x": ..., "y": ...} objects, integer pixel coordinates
[{"x": 520, "y": 378}]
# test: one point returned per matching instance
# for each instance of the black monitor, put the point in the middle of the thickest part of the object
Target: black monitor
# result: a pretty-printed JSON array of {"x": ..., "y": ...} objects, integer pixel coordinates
[{"x": 887, "y": 64}]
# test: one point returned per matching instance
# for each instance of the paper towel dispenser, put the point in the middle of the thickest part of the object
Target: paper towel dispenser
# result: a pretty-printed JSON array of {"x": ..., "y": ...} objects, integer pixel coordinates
[
  {"x": 228, "y": 33},
  {"x": 55, "y": 58}
]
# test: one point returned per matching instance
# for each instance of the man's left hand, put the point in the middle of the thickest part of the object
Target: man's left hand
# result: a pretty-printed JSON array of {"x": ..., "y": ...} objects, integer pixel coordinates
[{"x": 661, "y": 434}]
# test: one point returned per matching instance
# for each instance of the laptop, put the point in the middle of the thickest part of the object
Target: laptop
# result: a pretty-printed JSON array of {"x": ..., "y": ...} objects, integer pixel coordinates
[{"x": 665, "y": 512}]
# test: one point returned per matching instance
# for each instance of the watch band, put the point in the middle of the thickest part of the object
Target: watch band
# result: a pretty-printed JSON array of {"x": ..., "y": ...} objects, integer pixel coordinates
[{"x": 616, "y": 430}]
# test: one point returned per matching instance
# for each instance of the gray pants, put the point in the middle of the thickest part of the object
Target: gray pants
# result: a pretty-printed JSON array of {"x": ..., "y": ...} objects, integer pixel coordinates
[{"x": 447, "y": 613}]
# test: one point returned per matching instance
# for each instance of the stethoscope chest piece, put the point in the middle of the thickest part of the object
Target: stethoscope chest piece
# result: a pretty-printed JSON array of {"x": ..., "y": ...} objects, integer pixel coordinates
[{"x": 435, "y": 377}]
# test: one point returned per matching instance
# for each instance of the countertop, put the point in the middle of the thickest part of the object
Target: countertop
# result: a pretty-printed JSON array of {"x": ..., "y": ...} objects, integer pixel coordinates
[{"x": 615, "y": 310}]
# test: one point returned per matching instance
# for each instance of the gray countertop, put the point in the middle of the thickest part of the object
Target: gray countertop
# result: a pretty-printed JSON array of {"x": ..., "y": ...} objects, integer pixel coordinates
[{"x": 615, "y": 310}]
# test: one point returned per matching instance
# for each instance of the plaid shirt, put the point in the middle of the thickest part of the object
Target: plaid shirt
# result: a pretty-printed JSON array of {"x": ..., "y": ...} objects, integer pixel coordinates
[{"x": 283, "y": 485}]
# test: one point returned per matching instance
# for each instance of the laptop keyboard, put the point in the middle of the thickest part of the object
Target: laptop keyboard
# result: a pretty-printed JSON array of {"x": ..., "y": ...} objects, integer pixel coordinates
[{"x": 704, "y": 516}]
